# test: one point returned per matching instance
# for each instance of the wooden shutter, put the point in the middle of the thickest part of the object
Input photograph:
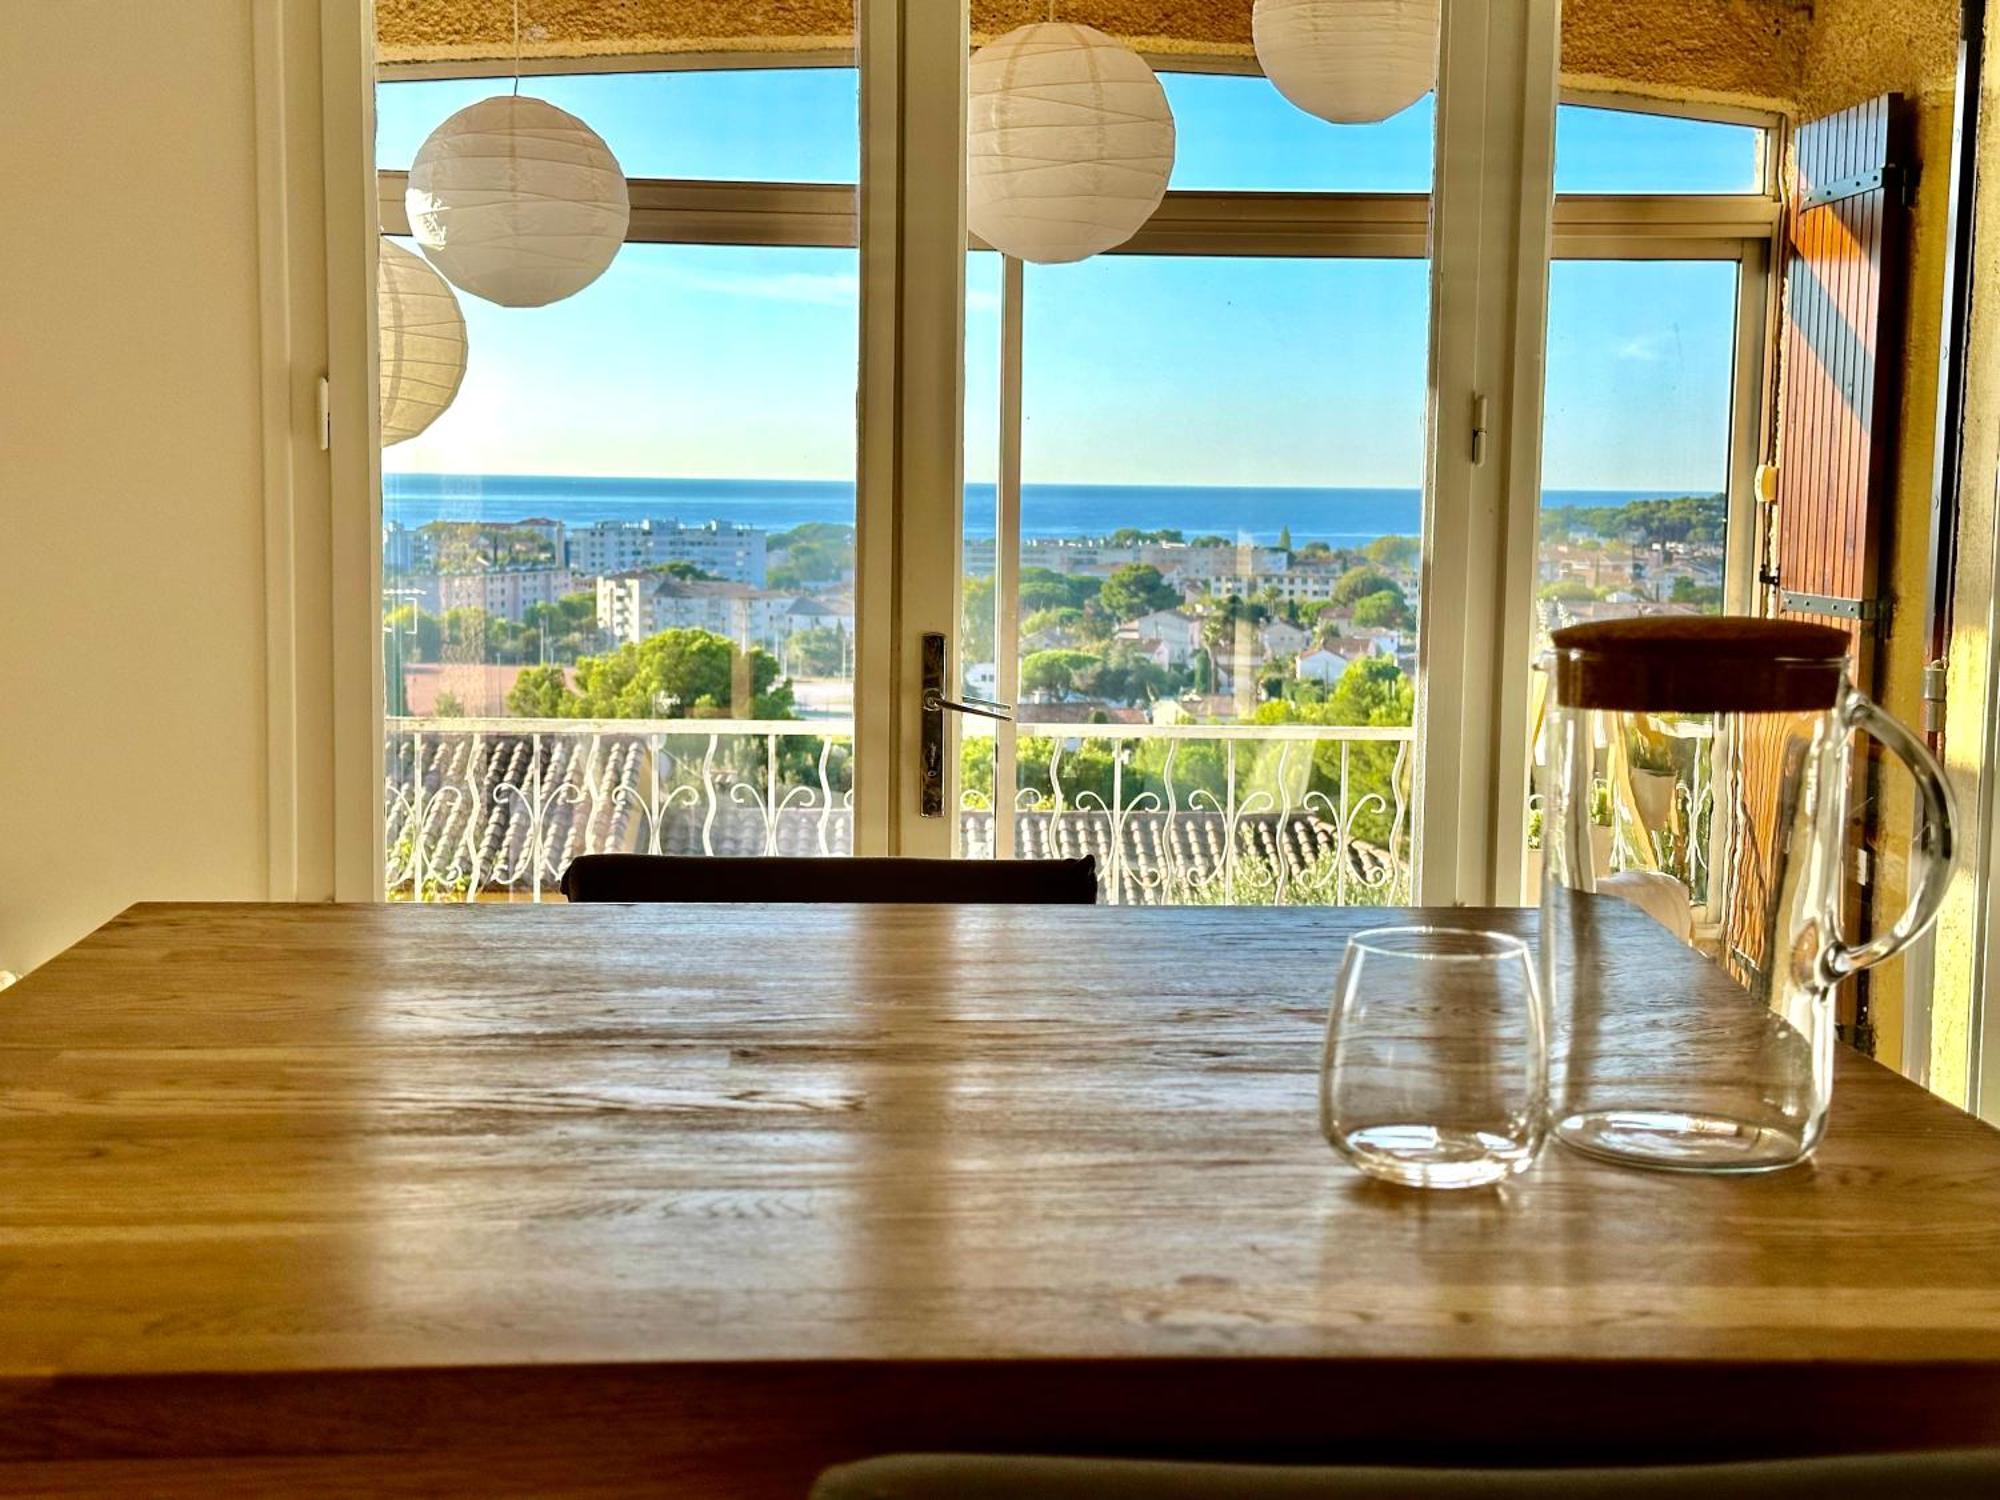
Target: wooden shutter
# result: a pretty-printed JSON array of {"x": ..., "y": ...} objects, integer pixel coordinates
[
  {"x": 1841, "y": 347},
  {"x": 1838, "y": 406}
]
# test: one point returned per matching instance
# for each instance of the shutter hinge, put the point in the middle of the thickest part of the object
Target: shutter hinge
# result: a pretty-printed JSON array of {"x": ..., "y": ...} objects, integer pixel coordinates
[
  {"x": 1935, "y": 678},
  {"x": 1889, "y": 176},
  {"x": 1834, "y": 606},
  {"x": 323, "y": 414}
]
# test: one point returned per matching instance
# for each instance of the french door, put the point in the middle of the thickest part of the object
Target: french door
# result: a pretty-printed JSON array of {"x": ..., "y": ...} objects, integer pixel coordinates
[
  {"x": 1229, "y": 518},
  {"x": 1229, "y": 524}
]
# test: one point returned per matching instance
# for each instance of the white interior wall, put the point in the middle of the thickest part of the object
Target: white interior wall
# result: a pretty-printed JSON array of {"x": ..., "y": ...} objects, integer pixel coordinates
[{"x": 132, "y": 604}]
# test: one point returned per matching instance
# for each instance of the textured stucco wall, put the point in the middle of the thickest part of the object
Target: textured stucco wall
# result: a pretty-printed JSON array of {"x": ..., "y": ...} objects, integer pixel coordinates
[
  {"x": 1856, "y": 49},
  {"x": 1736, "y": 50},
  {"x": 1733, "y": 51},
  {"x": 1968, "y": 719}
]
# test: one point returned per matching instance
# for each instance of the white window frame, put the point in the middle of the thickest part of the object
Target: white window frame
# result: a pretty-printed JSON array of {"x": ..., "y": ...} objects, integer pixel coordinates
[{"x": 1496, "y": 101}]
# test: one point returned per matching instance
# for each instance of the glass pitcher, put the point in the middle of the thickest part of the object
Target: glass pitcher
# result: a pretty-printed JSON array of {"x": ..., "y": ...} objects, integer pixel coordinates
[{"x": 1694, "y": 775}]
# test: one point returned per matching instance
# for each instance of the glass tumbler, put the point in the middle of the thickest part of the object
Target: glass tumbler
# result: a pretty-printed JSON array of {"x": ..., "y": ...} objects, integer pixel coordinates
[
  {"x": 1435, "y": 1072},
  {"x": 1697, "y": 781}
]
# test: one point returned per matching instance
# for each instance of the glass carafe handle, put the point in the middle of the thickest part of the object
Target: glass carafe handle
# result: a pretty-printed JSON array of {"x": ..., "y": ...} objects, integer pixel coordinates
[{"x": 1930, "y": 846}]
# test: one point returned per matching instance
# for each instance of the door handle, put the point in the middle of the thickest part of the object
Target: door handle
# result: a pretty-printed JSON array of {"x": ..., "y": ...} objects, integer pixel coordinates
[
  {"x": 937, "y": 659},
  {"x": 985, "y": 708}
]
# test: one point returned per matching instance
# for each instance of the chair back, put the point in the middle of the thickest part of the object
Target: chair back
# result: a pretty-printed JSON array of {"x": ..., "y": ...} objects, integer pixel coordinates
[
  {"x": 927, "y": 1476},
  {"x": 672, "y": 877}
]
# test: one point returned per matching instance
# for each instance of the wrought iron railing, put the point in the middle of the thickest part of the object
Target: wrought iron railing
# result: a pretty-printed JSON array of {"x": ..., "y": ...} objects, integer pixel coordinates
[{"x": 1176, "y": 814}]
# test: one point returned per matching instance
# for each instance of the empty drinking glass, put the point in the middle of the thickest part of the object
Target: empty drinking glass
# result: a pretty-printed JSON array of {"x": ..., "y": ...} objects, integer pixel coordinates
[{"x": 1435, "y": 1072}]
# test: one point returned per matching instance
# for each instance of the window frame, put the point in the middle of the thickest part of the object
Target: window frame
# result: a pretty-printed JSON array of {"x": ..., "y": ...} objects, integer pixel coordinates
[{"x": 1230, "y": 223}]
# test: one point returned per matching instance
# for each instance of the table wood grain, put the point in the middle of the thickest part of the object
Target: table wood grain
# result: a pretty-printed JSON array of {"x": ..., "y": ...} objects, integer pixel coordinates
[{"x": 617, "y": 1200}]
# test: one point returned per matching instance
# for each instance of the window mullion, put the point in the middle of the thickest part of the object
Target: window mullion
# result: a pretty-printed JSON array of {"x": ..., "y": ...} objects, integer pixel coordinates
[
  {"x": 913, "y": 401},
  {"x": 1493, "y": 186}
]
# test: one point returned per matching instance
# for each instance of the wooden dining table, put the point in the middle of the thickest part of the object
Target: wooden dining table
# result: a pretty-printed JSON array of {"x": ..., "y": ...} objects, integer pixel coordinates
[{"x": 611, "y": 1200}]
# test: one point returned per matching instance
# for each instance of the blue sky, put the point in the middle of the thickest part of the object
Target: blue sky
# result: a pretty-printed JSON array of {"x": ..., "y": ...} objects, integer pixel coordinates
[{"x": 702, "y": 360}]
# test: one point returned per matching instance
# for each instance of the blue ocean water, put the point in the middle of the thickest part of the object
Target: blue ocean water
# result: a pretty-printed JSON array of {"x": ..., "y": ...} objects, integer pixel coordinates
[{"x": 1241, "y": 512}]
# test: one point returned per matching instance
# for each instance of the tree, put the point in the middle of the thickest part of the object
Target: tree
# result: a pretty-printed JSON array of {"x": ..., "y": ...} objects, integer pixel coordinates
[
  {"x": 1218, "y": 629},
  {"x": 1700, "y": 520},
  {"x": 421, "y": 635},
  {"x": 567, "y": 628},
  {"x": 687, "y": 572},
  {"x": 1053, "y": 674},
  {"x": 1123, "y": 675},
  {"x": 1384, "y": 609},
  {"x": 1703, "y": 596},
  {"x": 1212, "y": 539},
  {"x": 1137, "y": 589},
  {"x": 1373, "y": 691},
  {"x": 679, "y": 672},
  {"x": 448, "y": 707},
  {"x": 1044, "y": 588},
  {"x": 815, "y": 552},
  {"x": 976, "y": 630},
  {"x": 818, "y": 651},
  {"x": 1064, "y": 621},
  {"x": 1400, "y": 552},
  {"x": 539, "y": 693},
  {"x": 1284, "y": 538},
  {"x": 1359, "y": 583},
  {"x": 1567, "y": 591}
]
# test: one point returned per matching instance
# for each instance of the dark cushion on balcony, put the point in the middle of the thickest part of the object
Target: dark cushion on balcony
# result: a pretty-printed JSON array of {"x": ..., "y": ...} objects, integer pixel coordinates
[{"x": 667, "y": 877}]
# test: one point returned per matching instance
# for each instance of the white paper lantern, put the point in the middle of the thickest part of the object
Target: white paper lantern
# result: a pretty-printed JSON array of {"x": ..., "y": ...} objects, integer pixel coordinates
[
  {"x": 1348, "y": 61},
  {"x": 517, "y": 201},
  {"x": 423, "y": 343},
  {"x": 1071, "y": 143}
]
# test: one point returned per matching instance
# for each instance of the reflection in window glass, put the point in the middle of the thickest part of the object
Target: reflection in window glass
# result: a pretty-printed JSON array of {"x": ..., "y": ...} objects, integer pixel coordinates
[
  {"x": 979, "y": 615},
  {"x": 680, "y": 432},
  {"x": 734, "y": 125},
  {"x": 1637, "y": 438},
  {"x": 1634, "y": 521},
  {"x": 1220, "y": 527},
  {"x": 634, "y": 525}
]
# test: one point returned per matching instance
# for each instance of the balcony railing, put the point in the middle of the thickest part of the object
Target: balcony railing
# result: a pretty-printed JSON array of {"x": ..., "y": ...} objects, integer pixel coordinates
[{"x": 1175, "y": 814}]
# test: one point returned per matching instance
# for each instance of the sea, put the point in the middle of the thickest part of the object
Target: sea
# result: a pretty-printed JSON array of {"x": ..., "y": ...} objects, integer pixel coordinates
[{"x": 1254, "y": 513}]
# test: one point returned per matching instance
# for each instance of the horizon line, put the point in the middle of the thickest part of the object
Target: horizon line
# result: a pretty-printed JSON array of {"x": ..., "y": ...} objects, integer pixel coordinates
[{"x": 1662, "y": 491}]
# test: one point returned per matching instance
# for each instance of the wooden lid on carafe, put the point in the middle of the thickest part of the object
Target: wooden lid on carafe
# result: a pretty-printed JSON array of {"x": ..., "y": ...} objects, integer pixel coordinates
[{"x": 1695, "y": 664}]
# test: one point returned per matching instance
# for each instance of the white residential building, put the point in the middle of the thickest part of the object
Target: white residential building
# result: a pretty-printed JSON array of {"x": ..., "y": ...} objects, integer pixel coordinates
[
  {"x": 1283, "y": 638},
  {"x": 406, "y": 549},
  {"x": 1177, "y": 632},
  {"x": 1306, "y": 585},
  {"x": 1320, "y": 665},
  {"x": 507, "y": 592},
  {"x": 634, "y": 605},
  {"x": 733, "y": 553}
]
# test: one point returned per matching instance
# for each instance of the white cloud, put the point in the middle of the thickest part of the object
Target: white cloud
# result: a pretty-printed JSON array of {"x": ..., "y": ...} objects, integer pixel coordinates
[{"x": 1650, "y": 348}]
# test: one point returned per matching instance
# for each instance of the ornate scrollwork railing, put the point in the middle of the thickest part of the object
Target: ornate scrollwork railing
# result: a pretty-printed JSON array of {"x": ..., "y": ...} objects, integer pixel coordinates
[{"x": 1176, "y": 814}]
